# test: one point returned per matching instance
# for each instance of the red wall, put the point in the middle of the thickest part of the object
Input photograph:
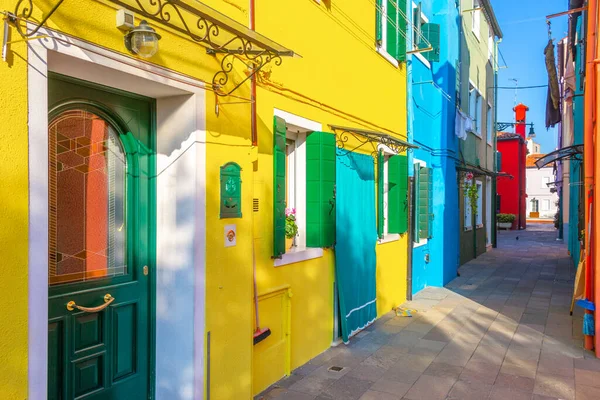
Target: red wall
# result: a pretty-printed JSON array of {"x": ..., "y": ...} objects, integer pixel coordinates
[{"x": 512, "y": 191}]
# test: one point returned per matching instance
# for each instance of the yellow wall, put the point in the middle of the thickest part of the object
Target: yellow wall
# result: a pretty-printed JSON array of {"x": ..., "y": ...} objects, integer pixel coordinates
[
  {"x": 13, "y": 229},
  {"x": 340, "y": 79}
]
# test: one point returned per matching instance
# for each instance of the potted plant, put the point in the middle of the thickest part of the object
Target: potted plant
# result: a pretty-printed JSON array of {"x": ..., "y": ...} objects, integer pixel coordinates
[
  {"x": 505, "y": 221},
  {"x": 291, "y": 228}
]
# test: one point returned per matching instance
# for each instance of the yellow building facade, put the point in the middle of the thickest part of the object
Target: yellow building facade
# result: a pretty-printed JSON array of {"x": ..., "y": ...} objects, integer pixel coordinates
[{"x": 200, "y": 310}]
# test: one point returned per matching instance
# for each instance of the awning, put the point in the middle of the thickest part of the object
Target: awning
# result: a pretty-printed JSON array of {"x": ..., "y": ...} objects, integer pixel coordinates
[
  {"x": 565, "y": 152},
  {"x": 218, "y": 33},
  {"x": 476, "y": 171},
  {"x": 363, "y": 136}
]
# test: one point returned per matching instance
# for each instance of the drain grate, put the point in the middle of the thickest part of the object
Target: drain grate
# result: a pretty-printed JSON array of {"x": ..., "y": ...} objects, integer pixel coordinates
[{"x": 336, "y": 369}]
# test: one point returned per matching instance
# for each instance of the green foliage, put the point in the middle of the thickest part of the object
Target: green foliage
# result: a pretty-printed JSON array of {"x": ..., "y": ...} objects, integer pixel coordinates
[
  {"x": 506, "y": 218},
  {"x": 291, "y": 228}
]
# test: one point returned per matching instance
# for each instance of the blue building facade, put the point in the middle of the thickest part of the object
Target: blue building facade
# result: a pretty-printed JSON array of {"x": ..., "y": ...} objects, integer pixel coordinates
[{"x": 431, "y": 92}]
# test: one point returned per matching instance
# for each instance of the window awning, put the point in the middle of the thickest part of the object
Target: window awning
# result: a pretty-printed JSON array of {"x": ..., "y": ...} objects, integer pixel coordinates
[
  {"x": 363, "y": 136},
  {"x": 218, "y": 33},
  {"x": 565, "y": 152}
]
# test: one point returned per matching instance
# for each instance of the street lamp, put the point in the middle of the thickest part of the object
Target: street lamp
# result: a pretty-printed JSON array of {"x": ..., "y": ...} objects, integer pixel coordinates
[{"x": 142, "y": 40}]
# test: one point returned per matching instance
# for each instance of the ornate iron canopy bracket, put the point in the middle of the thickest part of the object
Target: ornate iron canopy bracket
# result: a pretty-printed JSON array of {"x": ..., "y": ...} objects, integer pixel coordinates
[
  {"x": 364, "y": 137},
  {"x": 218, "y": 33},
  {"x": 24, "y": 10}
]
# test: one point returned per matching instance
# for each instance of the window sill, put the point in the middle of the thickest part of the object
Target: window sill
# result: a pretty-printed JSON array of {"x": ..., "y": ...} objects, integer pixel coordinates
[
  {"x": 421, "y": 243},
  {"x": 423, "y": 60},
  {"x": 390, "y": 237},
  {"x": 298, "y": 254},
  {"x": 476, "y": 134},
  {"x": 468, "y": 228},
  {"x": 387, "y": 56},
  {"x": 479, "y": 226}
]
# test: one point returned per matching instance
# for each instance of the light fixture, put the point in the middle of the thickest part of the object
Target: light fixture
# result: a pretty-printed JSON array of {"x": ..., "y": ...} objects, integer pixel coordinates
[
  {"x": 142, "y": 40},
  {"x": 531, "y": 132}
]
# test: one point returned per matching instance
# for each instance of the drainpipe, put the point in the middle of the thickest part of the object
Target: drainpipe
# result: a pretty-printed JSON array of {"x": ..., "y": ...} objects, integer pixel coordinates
[
  {"x": 588, "y": 158},
  {"x": 253, "y": 124},
  {"x": 410, "y": 137},
  {"x": 495, "y": 180}
]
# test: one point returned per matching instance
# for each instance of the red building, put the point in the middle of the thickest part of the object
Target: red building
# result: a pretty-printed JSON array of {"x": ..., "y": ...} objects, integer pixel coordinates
[{"x": 511, "y": 184}]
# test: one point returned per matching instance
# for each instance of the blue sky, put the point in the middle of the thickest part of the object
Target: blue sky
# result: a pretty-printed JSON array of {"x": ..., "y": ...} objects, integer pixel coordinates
[{"x": 523, "y": 24}]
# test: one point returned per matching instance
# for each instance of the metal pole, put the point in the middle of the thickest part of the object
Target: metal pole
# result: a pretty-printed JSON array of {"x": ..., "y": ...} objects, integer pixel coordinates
[
  {"x": 410, "y": 239},
  {"x": 494, "y": 181}
]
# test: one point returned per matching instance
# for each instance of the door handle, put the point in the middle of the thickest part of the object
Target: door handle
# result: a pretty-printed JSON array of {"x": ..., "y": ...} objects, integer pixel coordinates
[{"x": 107, "y": 300}]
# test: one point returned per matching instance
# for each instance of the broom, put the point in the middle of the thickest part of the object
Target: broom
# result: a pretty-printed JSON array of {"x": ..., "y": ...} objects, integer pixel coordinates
[{"x": 259, "y": 334}]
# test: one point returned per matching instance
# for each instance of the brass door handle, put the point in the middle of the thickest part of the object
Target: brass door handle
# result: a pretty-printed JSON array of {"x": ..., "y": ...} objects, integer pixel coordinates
[{"x": 107, "y": 300}]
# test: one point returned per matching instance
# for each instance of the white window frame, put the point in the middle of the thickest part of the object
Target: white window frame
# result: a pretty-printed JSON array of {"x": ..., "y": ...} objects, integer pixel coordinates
[
  {"x": 421, "y": 242},
  {"x": 479, "y": 211},
  {"x": 387, "y": 237},
  {"x": 475, "y": 114},
  {"x": 544, "y": 183},
  {"x": 489, "y": 125},
  {"x": 545, "y": 205},
  {"x": 298, "y": 128},
  {"x": 382, "y": 48},
  {"x": 490, "y": 46},
  {"x": 476, "y": 20},
  {"x": 424, "y": 20},
  {"x": 468, "y": 210}
]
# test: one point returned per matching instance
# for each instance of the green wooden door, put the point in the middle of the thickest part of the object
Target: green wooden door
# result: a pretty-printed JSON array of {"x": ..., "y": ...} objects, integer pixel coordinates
[{"x": 101, "y": 219}]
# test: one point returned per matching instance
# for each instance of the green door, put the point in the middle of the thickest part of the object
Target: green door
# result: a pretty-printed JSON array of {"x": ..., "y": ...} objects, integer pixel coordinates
[{"x": 101, "y": 220}]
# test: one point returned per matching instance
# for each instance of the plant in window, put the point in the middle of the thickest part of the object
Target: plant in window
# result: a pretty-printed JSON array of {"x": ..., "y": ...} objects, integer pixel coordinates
[
  {"x": 471, "y": 191},
  {"x": 291, "y": 227}
]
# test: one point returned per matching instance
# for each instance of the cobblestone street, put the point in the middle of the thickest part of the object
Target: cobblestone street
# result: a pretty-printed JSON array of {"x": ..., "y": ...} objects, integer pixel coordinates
[{"x": 501, "y": 330}]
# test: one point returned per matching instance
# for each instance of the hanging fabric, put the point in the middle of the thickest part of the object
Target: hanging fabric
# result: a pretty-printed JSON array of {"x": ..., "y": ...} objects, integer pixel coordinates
[
  {"x": 356, "y": 237},
  {"x": 552, "y": 75}
]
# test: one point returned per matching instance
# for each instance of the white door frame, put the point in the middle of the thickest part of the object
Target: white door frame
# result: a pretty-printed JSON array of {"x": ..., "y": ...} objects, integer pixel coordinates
[{"x": 114, "y": 68}]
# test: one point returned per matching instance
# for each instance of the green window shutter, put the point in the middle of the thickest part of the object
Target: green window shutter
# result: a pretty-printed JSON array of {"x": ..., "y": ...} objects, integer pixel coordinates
[
  {"x": 416, "y": 31},
  {"x": 417, "y": 205},
  {"x": 380, "y": 220},
  {"x": 498, "y": 161},
  {"x": 423, "y": 203},
  {"x": 431, "y": 32},
  {"x": 279, "y": 177},
  {"x": 391, "y": 25},
  {"x": 397, "y": 191},
  {"x": 320, "y": 189},
  {"x": 401, "y": 34},
  {"x": 378, "y": 21},
  {"x": 430, "y": 197}
]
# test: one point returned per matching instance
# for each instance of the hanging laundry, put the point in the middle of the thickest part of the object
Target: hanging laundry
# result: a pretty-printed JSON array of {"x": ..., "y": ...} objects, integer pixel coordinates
[
  {"x": 459, "y": 125},
  {"x": 552, "y": 112},
  {"x": 552, "y": 76}
]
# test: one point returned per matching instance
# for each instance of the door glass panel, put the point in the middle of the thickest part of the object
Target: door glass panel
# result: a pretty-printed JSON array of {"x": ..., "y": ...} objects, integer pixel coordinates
[{"x": 87, "y": 169}]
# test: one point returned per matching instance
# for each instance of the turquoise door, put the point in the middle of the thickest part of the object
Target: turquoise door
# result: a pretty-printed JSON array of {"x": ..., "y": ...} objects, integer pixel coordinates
[{"x": 101, "y": 242}]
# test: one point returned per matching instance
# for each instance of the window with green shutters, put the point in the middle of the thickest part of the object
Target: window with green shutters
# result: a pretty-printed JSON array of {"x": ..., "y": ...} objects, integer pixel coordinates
[
  {"x": 431, "y": 37},
  {"x": 391, "y": 26},
  {"x": 320, "y": 189},
  {"x": 423, "y": 203},
  {"x": 279, "y": 186},
  {"x": 392, "y": 194},
  {"x": 397, "y": 194}
]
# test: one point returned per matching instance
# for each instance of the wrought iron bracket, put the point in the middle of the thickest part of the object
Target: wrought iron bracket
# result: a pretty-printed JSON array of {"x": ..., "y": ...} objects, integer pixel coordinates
[
  {"x": 364, "y": 137},
  {"x": 501, "y": 126},
  {"x": 24, "y": 10}
]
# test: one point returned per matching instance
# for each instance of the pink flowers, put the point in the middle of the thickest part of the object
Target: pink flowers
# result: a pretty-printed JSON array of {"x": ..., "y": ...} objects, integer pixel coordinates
[
  {"x": 469, "y": 176},
  {"x": 290, "y": 212}
]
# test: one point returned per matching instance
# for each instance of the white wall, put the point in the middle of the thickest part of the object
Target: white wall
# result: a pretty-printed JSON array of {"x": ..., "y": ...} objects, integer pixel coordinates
[{"x": 536, "y": 188}]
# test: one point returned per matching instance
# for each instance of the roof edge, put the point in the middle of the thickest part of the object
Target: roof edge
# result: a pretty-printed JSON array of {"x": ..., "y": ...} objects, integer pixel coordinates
[{"x": 489, "y": 11}]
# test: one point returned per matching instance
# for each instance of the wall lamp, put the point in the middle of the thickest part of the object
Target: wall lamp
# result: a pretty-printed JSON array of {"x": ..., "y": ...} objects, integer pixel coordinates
[{"x": 142, "y": 40}]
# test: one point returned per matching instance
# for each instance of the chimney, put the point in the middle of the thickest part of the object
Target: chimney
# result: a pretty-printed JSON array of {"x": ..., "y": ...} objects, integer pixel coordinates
[{"x": 520, "y": 118}]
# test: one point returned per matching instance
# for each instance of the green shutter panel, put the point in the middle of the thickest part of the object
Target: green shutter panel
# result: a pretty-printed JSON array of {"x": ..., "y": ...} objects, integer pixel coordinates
[
  {"x": 279, "y": 176},
  {"x": 416, "y": 39},
  {"x": 401, "y": 33},
  {"x": 417, "y": 205},
  {"x": 498, "y": 161},
  {"x": 378, "y": 21},
  {"x": 430, "y": 197},
  {"x": 391, "y": 25},
  {"x": 380, "y": 220},
  {"x": 320, "y": 189},
  {"x": 423, "y": 203},
  {"x": 431, "y": 32},
  {"x": 397, "y": 194}
]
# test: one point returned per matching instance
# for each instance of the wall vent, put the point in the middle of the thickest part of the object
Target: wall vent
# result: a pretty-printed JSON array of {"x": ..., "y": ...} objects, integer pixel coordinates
[{"x": 255, "y": 205}]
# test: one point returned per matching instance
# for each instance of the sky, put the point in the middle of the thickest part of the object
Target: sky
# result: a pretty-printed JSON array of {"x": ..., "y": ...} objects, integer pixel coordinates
[{"x": 525, "y": 31}]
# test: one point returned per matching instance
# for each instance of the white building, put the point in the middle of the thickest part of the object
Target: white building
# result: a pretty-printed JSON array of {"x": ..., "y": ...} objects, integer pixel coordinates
[{"x": 542, "y": 199}]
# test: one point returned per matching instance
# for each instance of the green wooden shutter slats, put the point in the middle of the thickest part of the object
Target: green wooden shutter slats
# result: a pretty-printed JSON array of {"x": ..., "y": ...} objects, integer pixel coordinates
[
  {"x": 417, "y": 205},
  {"x": 320, "y": 189},
  {"x": 431, "y": 33},
  {"x": 397, "y": 194},
  {"x": 378, "y": 21},
  {"x": 401, "y": 34},
  {"x": 498, "y": 161},
  {"x": 279, "y": 186},
  {"x": 423, "y": 189},
  {"x": 430, "y": 203},
  {"x": 380, "y": 217},
  {"x": 392, "y": 29}
]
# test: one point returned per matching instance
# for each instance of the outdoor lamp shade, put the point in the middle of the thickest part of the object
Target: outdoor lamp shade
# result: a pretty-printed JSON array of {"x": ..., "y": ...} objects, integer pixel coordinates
[
  {"x": 531, "y": 132},
  {"x": 142, "y": 40}
]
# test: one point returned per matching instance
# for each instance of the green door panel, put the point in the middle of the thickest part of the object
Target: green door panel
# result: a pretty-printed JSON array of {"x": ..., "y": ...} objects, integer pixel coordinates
[{"x": 107, "y": 354}]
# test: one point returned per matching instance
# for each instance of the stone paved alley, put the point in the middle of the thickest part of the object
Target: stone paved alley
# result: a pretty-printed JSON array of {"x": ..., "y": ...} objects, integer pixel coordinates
[{"x": 501, "y": 330}]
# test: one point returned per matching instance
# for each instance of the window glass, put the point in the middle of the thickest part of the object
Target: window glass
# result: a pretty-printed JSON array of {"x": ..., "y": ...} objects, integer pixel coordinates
[
  {"x": 476, "y": 18},
  {"x": 87, "y": 210},
  {"x": 479, "y": 212},
  {"x": 545, "y": 205},
  {"x": 468, "y": 216}
]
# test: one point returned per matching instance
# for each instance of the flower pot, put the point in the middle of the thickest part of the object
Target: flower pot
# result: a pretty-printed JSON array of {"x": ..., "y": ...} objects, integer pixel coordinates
[
  {"x": 505, "y": 225},
  {"x": 289, "y": 243}
]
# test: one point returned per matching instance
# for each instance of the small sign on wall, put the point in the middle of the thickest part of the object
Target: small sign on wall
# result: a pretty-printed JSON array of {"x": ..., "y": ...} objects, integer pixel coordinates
[{"x": 230, "y": 235}]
